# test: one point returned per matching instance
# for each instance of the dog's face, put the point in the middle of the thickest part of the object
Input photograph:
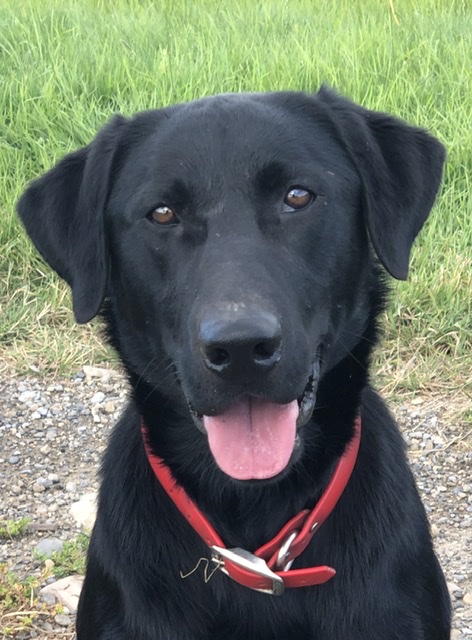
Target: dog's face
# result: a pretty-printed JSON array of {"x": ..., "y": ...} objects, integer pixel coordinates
[
  {"x": 230, "y": 251},
  {"x": 233, "y": 238}
]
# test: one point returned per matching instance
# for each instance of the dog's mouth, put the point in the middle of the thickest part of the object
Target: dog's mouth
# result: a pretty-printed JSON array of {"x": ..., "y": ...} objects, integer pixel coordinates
[{"x": 254, "y": 439}]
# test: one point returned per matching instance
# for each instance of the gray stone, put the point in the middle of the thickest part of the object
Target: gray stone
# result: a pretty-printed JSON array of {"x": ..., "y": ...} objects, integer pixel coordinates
[
  {"x": 48, "y": 598},
  {"x": 26, "y": 395},
  {"x": 62, "y": 620},
  {"x": 46, "y": 482},
  {"x": 48, "y": 546}
]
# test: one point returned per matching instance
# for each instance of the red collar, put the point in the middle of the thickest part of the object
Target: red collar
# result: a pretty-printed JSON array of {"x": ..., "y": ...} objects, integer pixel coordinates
[{"x": 267, "y": 569}]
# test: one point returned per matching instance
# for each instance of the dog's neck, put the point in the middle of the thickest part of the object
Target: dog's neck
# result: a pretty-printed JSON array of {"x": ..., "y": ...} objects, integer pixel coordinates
[{"x": 276, "y": 555}]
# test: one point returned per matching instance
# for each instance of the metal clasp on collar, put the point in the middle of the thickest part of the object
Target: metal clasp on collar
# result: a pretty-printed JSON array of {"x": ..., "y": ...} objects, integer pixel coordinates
[
  {"x": 251, "y": 563},
  {"x": 284, "y": 552}
]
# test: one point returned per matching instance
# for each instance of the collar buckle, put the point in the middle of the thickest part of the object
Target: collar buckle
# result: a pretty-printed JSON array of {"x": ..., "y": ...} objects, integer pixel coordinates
[
  {"x": 251, "y": 563},
  {"x": 283, "y": 563}
]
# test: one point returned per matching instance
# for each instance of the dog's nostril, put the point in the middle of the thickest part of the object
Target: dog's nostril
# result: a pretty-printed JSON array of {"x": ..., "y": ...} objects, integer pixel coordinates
[
  {"x": 264, "y": 350},
  {"x": 218, "y": 357}
]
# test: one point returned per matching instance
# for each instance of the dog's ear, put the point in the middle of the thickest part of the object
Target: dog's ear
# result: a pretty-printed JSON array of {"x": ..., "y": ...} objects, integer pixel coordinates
[
  {"x": 62, "y": 212},
  {"x": 400, "y": 168}
]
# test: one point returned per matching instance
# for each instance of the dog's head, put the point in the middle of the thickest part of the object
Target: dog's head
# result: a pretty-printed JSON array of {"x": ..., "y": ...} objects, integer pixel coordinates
[{"x": 234, "y": 239}]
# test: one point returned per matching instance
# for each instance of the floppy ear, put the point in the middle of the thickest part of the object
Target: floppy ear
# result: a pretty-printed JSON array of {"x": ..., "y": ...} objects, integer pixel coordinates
[
  {"x": 400, "y": 168},
  {"x": 63, "y": 214}
]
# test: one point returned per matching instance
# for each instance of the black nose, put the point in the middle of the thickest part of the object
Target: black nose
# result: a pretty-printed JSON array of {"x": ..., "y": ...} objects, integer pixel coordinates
[{"x": 239, "y": 344}]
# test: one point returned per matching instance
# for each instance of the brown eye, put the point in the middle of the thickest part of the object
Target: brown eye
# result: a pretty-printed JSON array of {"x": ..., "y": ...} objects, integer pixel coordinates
[
  {"x": 163, "y": 215},
  {"x": 297, "y": 198}
]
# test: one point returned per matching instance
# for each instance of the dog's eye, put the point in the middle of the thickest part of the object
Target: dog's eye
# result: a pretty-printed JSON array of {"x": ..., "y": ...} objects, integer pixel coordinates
[
  {"x": 297, "y": 198},
  {"x": 163, "y": 215}
]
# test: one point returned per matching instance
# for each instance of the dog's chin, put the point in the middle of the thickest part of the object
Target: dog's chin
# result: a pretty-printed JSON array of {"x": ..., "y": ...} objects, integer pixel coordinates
[{"x": 255, "y": 440}]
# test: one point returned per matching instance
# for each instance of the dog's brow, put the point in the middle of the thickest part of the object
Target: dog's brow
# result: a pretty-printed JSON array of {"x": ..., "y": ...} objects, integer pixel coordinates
[
  {"x": 178, "y": 193},
  {"x": 271, "y": 176}
]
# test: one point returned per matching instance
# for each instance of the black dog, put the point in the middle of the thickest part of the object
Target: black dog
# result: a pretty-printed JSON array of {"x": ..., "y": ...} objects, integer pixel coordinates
[{"x": 231, "y": 245}]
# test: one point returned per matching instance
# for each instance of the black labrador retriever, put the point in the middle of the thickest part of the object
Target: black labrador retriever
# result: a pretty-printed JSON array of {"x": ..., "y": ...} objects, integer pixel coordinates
[{"x": 234, "y": 246}]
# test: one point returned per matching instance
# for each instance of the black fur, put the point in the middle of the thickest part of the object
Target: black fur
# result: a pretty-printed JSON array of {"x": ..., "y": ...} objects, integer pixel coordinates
[{"x": 225, "y": 165}]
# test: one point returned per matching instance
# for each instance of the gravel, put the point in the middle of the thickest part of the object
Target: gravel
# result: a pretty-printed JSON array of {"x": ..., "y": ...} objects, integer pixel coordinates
[{"x": 52, "y": 435}]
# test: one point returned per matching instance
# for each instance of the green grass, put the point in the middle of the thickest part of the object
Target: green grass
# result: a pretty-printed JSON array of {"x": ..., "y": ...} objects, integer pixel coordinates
[
  {"x": 16, "y": 600},
  {"x": 66, "y": 66},
  {"x": 71, "y": 559},
  {"x": 20, "y": 606},
  {"x": 13, "y": 528}
]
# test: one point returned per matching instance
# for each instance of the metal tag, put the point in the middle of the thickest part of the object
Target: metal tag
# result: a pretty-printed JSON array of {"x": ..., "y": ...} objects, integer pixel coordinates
[{"x": 252, "y": 563}]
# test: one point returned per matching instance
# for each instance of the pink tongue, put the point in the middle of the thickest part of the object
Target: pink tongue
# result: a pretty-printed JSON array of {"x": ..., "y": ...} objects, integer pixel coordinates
[{"x": 253, "y": 438}]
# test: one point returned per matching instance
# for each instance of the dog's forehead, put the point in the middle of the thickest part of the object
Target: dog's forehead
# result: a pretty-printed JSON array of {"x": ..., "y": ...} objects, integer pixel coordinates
[
  {"x": 238, "y": 144},
  {"x": 227, "y": 114},
  {"x": 233, "y": 130}
]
